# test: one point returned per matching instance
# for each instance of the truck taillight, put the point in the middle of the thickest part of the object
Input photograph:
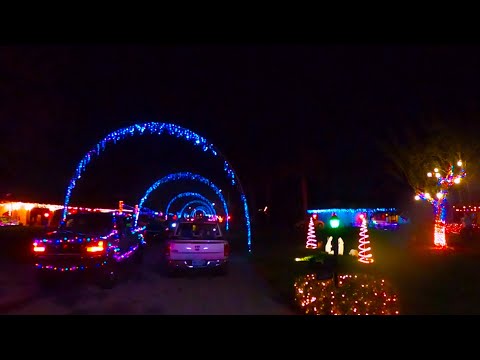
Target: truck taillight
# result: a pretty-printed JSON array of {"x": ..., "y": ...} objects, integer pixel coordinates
[
  {"x": 38, "y": 247},
  {"x": 167, "y": 250},
  {"x": 226, "y": 249},
  {"x": 98, "y": 247}
]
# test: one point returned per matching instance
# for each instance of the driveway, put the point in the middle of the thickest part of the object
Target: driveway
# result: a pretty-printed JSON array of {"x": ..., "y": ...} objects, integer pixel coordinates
[{"x": 144, "y": 290}]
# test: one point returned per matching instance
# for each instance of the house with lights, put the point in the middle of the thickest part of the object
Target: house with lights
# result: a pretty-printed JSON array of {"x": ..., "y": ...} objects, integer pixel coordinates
[
  {"x": 37, "y": 214},
  {"x": 385, "y": 218}
]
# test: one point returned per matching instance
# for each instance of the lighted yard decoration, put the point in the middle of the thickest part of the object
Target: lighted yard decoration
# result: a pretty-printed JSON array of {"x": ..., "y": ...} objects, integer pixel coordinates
[
  {"x": 184, "y": 176},
  {"x": 205, "y": 205},
  {"x": 184, "y": 195},
  {"x": 334, "y": 221},
  {"x": 329, "y": 246},
  {"x": 158, "y": 128},
  {"x": 311, "y": 236},
  {"x": 361, "y": 294},
  {"x": 442, "y": 185},
  {"x": 364, "y": 250},
  {"x": 205, "y": 212},
  {"x": 334, "y": 246}
]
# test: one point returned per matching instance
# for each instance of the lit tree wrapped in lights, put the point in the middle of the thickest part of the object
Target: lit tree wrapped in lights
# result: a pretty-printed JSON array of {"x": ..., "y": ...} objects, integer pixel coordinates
[
  {"x": 442, "y": 185},
  {"x": 311, "y": 236},
  {"x": 414, "y": 150},
  {"x": 364, "y": 254}
]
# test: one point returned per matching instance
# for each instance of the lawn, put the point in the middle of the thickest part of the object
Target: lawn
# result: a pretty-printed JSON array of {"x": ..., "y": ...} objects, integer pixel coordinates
[{"x": 425, "y": 280}]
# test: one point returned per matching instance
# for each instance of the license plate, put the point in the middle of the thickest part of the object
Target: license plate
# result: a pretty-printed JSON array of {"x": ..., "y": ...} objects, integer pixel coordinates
[{"x": 198, "y": 262}]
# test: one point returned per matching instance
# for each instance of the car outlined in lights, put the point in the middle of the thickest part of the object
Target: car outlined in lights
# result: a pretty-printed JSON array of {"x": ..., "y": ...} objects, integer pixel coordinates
[{"x": 96, "y": 243}]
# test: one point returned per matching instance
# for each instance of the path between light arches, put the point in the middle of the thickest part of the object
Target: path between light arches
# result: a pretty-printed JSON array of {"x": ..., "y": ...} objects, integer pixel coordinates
[{"x": 148, "y": 291}]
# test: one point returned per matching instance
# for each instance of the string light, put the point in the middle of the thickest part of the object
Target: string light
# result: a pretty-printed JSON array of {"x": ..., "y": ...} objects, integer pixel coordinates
[
  {"x": 349, "y": 215},
  {"x": 443, "y": 184},
  {"x": 112, "y": 249},
  {"x": 350, "y": 210},
  {"x": 184, "y": 176},
  {"x": 360, "y": 294},
  {"x": 203, "y": 210},
  {"x": 206, "y": 205},
  {"x": 453, "y": 228},
  {"x": 311, "y": 236},
  {"x": 69, "y": 268},
  {"x": 157, "y": 128},
  {"x": 364, "y": 254},
  {"x": 187, "y": 194}
]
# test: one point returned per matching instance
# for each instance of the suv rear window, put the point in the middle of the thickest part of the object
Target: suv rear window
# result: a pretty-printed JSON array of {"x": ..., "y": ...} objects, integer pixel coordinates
[
  {"x": 89, "y": 222},
  {"x": 189, "y": 230}
]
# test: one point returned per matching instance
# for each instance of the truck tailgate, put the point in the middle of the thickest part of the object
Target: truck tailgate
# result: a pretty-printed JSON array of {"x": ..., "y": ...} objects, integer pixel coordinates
[{"x": 197, "y": 249}]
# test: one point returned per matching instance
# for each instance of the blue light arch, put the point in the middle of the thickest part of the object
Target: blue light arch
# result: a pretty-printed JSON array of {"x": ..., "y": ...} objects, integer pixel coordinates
[
  {"x": 183, "y": 176},
  {"x": 200, "y": 208},
  {"x": 187, "y": 194},
  {"x": 158, "y": 128},
  {"x": 206, "y": 205}
]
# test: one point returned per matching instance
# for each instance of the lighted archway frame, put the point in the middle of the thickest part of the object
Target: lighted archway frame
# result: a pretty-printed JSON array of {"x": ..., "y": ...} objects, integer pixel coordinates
[
  {"x": 198, "y": 201},
  {"x": 199, "y": 205},
  {"x": 158, "y": 128},
  {"x": 183, "y": 176},
  {"x": 199, "y": 208},
  {"x": 187, "y": 194}
]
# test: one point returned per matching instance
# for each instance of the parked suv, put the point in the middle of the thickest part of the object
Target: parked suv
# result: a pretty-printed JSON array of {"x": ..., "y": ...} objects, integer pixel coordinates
[{"x": 89, "y": 242}]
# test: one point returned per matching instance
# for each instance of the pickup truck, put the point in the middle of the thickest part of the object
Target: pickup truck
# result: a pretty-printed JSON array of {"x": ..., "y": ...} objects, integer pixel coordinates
[
  {"x": 197, "y": 245},
  {"x": 96, "y": 243}
]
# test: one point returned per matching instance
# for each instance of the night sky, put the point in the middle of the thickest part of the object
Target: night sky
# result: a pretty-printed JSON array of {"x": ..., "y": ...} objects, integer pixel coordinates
[{"x": 274, "y": 111}]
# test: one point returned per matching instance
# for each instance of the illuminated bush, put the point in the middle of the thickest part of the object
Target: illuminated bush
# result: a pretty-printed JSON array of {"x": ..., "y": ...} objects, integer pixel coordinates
[{"x": 359, "y": 294}]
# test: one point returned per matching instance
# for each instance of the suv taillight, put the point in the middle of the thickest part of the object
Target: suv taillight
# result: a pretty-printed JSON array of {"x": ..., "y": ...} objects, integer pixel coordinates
[
  {"x": 167, "y": 250},
  {"x": 38, "y": 247},
  {"x": 226, "y": 249},
  {"x": 96, "y": 247}
]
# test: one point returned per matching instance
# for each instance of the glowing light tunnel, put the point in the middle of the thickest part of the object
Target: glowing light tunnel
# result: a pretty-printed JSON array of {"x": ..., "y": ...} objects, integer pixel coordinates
[
  {"x": 206, "y": 205},
  {"x": 187, "y": 194},
  {"x": 200, "y": 208},
  {"x": 183, "y": 176},
  {"x": 158, "y": 128}
]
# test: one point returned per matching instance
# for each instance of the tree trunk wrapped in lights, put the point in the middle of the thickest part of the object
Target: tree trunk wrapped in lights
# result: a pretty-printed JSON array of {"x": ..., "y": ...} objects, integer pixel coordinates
[{"x": 444, "y": 183}]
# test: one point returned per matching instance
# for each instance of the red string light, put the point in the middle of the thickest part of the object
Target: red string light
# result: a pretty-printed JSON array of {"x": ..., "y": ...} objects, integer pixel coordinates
[
  {"x": 364, "y": 254},
  {"x": 311, "y": 237}
]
